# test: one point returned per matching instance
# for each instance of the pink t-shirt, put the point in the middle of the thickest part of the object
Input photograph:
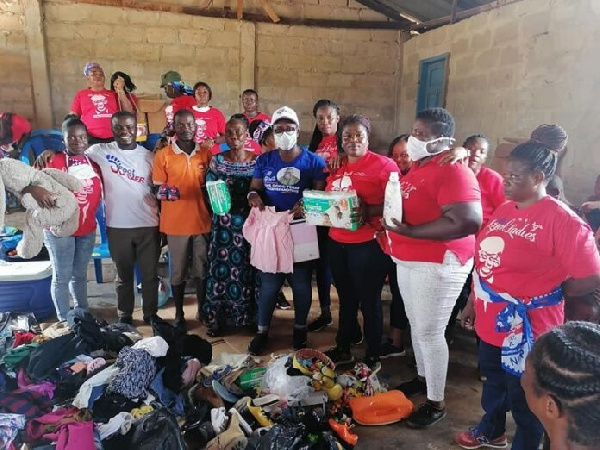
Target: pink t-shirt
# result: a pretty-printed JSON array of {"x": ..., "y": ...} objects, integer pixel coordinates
[
  {"x": 527, "y": 253},
  {"x": 327, "y": 148},
  {"x": 95, "y": 108},
  {"x": 88, "y": 198},
  {"x": 491, "y": 184},
  {"x": 368, "y": 177},
  {"x": 211, "y": 124},
  {"x": 426, "y": 188}
]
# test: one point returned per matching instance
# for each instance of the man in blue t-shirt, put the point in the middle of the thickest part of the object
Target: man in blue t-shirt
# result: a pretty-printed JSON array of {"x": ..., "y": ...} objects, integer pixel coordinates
[{"x": 279, "y": 179}]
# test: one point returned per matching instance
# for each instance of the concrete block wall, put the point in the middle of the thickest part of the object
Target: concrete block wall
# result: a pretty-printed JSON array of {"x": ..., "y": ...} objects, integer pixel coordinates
[
  {"x": 516, "y": 67},
  {"x": 15, "y": 69},
  {"x": 294, "y": 65},
  {"x": 358, "y": 69}
]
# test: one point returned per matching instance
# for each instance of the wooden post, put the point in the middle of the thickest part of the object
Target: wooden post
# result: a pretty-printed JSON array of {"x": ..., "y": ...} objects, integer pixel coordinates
[
  {"x": 247, "y": 56},
  {"x": 269, "y": 10},
  {"x": 453, "y": 11},
  {"x": 34, "y": 30},
  {"x": 240, "y": 9}
]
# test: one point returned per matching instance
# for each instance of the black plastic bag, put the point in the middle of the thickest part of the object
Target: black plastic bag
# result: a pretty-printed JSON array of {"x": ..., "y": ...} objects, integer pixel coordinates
[
  {"x": 157, "y": 430},
  {"x": 283, "y": 438}
]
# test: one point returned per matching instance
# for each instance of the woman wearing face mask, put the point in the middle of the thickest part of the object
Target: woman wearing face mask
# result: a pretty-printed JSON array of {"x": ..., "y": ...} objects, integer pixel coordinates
[
  {"x": 210, "y": 121},
  {"x": 324, "y": 144},
  {"x": 433, "y": 249},
  {"x": 279, "y": 179},
  {"x": 70, "y": 255},
  {"x": 533, "y": 259},
  {"x": 358, "y": 264}
]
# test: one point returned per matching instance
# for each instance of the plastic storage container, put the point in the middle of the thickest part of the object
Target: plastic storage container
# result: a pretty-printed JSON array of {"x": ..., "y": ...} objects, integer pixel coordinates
[{"x": 25, "y": 287}]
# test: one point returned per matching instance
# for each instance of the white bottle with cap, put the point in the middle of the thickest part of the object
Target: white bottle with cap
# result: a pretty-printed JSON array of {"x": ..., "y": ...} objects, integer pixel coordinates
[{"x": 392, "y": 205}]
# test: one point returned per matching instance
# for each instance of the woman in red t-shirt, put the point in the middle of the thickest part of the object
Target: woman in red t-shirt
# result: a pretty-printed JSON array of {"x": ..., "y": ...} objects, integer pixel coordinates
[
  {"x": 324, "y": 143},
  {"x": 358, "y": 265},
  {"x": 95, "y": 105},
  {"x": 70, "y": 255},
  {"x": 533, "y": 250},
  {"x": 433, "y": 249},
  {"x": 210, "y": 131}
]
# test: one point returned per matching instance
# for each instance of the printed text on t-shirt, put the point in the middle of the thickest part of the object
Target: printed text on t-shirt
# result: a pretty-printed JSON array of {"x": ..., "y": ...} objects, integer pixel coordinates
[{"x": 116, "y": 166}]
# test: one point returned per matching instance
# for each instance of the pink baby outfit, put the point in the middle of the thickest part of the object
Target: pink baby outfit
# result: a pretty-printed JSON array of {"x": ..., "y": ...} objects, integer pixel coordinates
[{"x": 270, "y": 238}]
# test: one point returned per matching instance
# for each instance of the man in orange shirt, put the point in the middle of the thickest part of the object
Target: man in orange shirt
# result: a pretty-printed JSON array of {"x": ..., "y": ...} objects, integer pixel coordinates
[{"x": 184, "y": 218}]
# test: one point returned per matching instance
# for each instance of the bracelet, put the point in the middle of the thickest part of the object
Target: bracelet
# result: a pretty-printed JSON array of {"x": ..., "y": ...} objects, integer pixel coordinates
[{"x": 250, "y": 193}]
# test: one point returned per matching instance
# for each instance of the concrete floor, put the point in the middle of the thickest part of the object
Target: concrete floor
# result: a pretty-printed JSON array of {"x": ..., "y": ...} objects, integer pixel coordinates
[{"x": 463, "y": 391}]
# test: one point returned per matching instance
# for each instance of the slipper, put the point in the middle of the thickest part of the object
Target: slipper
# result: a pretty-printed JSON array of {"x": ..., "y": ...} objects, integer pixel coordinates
[{"x": 224, "y": 393}]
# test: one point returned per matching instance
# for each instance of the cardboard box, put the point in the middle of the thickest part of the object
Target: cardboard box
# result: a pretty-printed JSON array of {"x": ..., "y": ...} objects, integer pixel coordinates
[
  {"x": 151, "y": 111},
  {"x": 330, "y": 209}
]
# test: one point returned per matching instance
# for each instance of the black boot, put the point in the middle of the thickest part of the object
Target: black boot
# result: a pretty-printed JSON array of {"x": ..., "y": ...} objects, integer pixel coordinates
[
  {"x": 178, "y": 295},
  {"x": 201, "y": 296}
]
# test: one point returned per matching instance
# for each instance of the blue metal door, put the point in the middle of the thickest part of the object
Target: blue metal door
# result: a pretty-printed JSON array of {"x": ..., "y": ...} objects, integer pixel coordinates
[{"x": 432, "y": 82}]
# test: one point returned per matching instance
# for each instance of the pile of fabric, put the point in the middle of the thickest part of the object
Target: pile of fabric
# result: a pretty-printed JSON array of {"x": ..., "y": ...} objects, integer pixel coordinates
[{"x": 83, "y": 384}]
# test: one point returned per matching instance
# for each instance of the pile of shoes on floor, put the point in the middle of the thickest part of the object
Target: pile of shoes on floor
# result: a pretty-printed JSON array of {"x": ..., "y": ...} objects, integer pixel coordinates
[{"x": 83, "y": 384}]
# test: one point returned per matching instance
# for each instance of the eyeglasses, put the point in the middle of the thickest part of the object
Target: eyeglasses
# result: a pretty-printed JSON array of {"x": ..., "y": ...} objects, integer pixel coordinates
[
  {"x": 360, "y": 137},
  {"x": 281, "y": 130}
]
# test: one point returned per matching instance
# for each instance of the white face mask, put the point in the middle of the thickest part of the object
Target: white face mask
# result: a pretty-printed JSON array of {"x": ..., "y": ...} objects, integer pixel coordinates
[
  {"x": 82, "y": 171},
  {"x": 286, "y": 141},
  {"x": 417, "y": 149}
]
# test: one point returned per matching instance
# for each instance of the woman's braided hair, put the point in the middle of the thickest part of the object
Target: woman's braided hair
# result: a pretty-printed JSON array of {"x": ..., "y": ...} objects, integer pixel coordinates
[
  {"x": 566, "y": 361},
  {"x": 537, "y": 156},
  {"x": 553, "y": 137}
]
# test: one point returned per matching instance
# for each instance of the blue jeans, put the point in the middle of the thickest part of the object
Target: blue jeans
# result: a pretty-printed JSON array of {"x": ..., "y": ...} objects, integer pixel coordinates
[
  {"x": 502, "y": 392},
  {"x": 270, "y": 285},
  {"x": 359, "y": 272},
  {"x": 70, "y": 257}
]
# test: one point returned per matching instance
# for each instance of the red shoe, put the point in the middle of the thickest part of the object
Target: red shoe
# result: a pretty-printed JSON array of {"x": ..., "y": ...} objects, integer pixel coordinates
[
  {"x": 470, "y": 440},
  {"x": 343, "y": 432}
]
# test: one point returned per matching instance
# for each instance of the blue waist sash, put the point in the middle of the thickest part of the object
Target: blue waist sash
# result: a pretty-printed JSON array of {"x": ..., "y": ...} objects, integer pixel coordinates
[{"x": 513, "y": 319}]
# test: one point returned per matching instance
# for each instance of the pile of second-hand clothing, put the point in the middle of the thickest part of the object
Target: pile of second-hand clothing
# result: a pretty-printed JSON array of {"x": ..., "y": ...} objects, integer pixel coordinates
[{"x": 84, "y": 384}]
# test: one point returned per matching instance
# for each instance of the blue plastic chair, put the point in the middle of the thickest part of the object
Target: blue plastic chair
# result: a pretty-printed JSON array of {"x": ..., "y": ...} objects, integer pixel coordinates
[
  {"x": 151, "y": 141},
  {"x": 41, "y": 140},
  {"x": 101, "y": 250}
]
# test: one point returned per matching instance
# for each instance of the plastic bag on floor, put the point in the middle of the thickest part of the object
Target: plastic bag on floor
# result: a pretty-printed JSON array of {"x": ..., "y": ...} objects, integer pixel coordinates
[
  {"x": 283, "y": 438},
  {"x": 277, "y": 381}
]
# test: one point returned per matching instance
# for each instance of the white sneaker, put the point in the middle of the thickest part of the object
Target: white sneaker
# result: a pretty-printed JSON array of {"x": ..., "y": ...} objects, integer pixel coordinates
[
  {"x": 243, "y": 424},
  {"x": 218, "y": 420}
]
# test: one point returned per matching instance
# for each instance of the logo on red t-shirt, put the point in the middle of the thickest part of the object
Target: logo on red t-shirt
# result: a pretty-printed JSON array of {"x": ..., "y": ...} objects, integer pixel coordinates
[
  {"x": 490, "y": 250},
  {"x": 343, "y": 183},
  {"x": 100, "y": 102}
]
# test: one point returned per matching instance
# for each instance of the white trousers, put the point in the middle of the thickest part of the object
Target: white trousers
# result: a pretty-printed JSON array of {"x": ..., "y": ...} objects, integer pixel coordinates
[{"x": 429, "y": 291}]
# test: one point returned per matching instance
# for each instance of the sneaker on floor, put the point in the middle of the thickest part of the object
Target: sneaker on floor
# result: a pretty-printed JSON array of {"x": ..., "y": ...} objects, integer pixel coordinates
[
  {"x": 389, "y": 350},
  {"x": 300, "y": 340},
  {"x": 339, "y": 356},
  {"x": 474, "y": 439},
  {"x": 282, "y": 302},
  {"x": 425, "y": 416},
  {"x": 126, "y": 320},
  {"x": 218, "y": 419},
  {"x": 324, "y": 320},
  {"x": 258, "y": 345},
  {"x": 413, "y": 387},
  {"x": 358, "y": 337}
]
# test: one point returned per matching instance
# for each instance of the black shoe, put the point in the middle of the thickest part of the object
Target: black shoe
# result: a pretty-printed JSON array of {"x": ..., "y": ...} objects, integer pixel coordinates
[
  {"x": 388, "y": 350},
  {"x": 425, "y": 416},
  {"x": 339, "y": 355},
  {"x": 373, "y": 363},
  {"x": 180, "y": 323},
  {"x": 126, "y": 320},
  {"x": 282, "y": 302},
  {"x": 258, "y": 345},
  {"x": 413, "y": 387},
  {"x": 300, "y": 338},
  {"x": 150, "y": 319},
  {"x": 358, "y": 337},
  {"x": 324, "y": 320}
]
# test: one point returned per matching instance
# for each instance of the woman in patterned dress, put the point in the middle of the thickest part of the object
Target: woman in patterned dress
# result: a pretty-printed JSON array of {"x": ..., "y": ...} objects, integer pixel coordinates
[{"x": 230, "y": 288}]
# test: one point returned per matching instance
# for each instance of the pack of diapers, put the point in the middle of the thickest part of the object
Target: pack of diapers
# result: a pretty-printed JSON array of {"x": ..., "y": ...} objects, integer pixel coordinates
[{"x": 331, "y": 209}]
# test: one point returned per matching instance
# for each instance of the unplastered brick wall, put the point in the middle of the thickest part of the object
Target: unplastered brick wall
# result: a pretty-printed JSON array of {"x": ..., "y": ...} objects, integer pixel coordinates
[
  {"x": 357, "y": 69},
  {"x": 15, "y": 70},
  {"x": 295, "y": 65},
  {"x": 142, "y": 44},
  {"x": 516, "y": 67}
]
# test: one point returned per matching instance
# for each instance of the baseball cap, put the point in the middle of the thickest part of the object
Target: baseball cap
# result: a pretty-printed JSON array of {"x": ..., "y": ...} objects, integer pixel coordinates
[
  {"x": 169, "y": 77},
  {"x": 285, "y": 112}
]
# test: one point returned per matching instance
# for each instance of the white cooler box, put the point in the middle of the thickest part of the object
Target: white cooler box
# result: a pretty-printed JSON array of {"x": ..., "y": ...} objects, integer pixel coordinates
[{"x": 25, "y": 287}]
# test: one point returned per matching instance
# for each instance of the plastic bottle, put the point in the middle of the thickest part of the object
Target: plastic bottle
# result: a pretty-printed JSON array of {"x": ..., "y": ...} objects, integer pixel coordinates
[{"x": 392, "y": 205}]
